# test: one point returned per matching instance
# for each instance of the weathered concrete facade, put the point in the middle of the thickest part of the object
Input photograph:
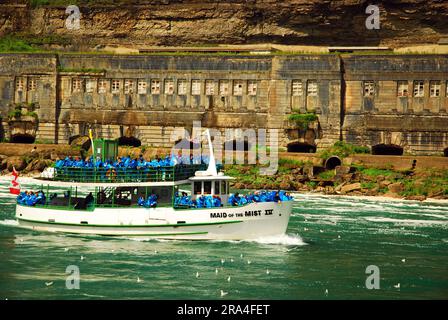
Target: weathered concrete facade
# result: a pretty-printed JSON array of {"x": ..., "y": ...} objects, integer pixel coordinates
[
  {"x": 360, "y": 99},
  {"x": 398, "y": 101}
]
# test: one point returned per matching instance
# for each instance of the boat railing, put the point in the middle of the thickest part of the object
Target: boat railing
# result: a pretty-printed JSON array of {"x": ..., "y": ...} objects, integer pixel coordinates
[{"x": 122, "y": 174}]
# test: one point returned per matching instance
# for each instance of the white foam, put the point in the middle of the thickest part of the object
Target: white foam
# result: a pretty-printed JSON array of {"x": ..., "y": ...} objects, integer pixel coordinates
[
  {"x": 9, "y": 222},
  {"x": 407, "y": 222},
  {"x": 284, "y": 239}
]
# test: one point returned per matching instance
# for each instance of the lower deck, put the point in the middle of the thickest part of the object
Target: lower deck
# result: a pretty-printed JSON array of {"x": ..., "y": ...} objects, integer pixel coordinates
[{"x": 246, "y": 222}]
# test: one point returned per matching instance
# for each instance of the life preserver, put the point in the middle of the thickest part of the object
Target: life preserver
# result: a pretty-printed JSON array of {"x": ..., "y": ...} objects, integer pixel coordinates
[{"x": 111, "y": 174}]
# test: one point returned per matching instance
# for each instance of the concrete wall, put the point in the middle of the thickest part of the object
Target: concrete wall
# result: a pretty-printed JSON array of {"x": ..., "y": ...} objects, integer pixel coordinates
[{"x": 418, "y": 124}]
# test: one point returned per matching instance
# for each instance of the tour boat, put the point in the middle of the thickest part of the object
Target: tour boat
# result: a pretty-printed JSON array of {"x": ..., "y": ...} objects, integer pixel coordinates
[{"x": 112, "y": 207}]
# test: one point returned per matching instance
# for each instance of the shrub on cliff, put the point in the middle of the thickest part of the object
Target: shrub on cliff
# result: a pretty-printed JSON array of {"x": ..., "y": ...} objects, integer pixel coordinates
[
  {"x": 12, "y": 44},
  {"x": 343, "y": 149},
  {"x": 302, "y": 120}
]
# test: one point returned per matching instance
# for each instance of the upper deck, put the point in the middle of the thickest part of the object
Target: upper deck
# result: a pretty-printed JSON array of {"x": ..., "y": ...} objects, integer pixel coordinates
[{"x": 115, "y": 175}]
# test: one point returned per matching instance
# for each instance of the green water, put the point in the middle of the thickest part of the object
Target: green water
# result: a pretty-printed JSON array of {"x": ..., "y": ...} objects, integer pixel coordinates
[{"x": 329, "y": 243}]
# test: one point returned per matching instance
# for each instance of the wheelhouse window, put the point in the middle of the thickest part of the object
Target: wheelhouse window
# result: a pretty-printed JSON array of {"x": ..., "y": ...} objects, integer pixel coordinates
[
  {"x": 434, "y": 89},
  {"x": 197, "y": 187},
  {"x": 217, "y": 187},
  {"x": 207, "y": 187},
  {"x": 402, "y": 89},
  {"x": 419, "y": 87}
]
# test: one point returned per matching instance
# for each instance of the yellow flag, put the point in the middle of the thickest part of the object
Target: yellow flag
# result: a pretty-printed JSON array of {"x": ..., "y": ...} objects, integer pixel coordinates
[{"x": 90, "y": 134}]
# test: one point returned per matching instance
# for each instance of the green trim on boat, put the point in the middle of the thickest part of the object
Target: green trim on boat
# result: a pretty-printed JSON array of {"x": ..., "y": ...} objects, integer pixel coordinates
[
  {"x": 155, "y": 234},
  {"x": 133, "y": 226}
]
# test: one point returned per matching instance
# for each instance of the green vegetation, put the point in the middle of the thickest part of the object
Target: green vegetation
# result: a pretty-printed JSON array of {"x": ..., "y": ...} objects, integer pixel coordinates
[
  {"x": 290, "y": 163},
  {"x": 18, "y": 111},
  {"x": 14, "y": 114},
  {"x": 311, "y": 184},
  {"x": 43, "y": 141},
  {"x": 302, "y": 120},
  {"x": 31, "y": 43},
  {"x": 368, "y": 185},
  {"x": 12, "y": 44},
  {"x": 343, "y": 149},
  {"x": 427, "y": 183},
  {"x": 327, "y": 175},
  {"x": 374, "y": 172}
]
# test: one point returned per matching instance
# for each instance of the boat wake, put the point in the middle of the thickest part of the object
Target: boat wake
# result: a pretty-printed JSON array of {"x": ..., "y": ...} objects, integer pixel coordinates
[
  {"x": 283, "y": 239},
  {"x": 9, "y": 222}
]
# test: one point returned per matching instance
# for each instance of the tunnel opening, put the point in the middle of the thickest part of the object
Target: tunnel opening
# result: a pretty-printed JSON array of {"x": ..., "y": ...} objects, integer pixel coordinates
[
  {"x": 129, "y": 141},
  {"x": 22, "y": 138},
  {"x": 237, "y": 145},
  {"x": 445, "y": 152},
  {"x": 332, "y": 162},
  {"x": 186, "y": 144},
  {"x": 387, "y": 149},
  {"x": 301, "y": 147}
]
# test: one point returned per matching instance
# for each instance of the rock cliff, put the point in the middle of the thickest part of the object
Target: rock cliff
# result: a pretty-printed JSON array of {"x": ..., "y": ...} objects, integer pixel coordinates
[{"x": 190, "y": 22}]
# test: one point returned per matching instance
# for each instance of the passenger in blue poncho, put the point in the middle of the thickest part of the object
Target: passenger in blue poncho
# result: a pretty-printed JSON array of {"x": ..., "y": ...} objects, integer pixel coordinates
[
  {"x": 217, "y": 201},
  {"x": 200, "y": 202},
  {"x": 208, "y": 202},
  {"x": 40, "y": 198},
  {"x": 141, "y": 201},
  {"x": 234, "y": 199},
  {"x": 151, "y": 202},
  {"x": 284, "y": 196}
]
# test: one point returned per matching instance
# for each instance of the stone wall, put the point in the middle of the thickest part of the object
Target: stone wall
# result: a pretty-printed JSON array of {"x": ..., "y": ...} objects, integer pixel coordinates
[
  {"x": 408, "y": 105},
  {"x": 355, "y": 97}
]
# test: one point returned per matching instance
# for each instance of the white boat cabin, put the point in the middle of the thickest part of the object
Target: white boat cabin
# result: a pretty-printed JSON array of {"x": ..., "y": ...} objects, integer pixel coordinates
[{"x": 210, "y": 185}]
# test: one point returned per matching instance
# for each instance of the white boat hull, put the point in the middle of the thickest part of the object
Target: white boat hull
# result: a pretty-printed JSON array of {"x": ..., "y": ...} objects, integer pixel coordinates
[{"x": 251, "y": 221}]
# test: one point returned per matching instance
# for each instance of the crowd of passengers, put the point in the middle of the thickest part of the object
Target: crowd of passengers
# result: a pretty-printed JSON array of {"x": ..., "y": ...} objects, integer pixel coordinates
[
  {"x": 31, "y": 198},
  {"x": 130, "y": 163},
  {"x": 149, "y": 202},
  {"x": 209, "y": 201},
  {"x": 202, "y": 201}
]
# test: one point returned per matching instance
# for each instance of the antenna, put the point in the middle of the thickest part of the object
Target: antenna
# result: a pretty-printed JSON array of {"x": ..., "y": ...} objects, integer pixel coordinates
[
  {"x": 212, "y": 162},
  {"x": 211, "y": 169}
]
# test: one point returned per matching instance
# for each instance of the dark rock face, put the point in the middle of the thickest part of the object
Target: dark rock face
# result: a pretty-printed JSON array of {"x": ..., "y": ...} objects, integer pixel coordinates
[{"x": 181, "y": 22}]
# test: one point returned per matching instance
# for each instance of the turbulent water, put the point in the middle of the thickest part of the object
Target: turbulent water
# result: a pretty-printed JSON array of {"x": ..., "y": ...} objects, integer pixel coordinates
[{"x": 329, "y": 244}]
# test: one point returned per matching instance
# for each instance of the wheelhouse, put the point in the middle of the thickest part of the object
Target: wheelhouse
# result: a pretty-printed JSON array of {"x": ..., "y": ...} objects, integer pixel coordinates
[{"x": 211, "y": 185}]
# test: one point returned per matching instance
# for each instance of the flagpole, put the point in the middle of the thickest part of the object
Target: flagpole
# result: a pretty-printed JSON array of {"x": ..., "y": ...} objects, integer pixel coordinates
[{"x": 93, "y": 146}]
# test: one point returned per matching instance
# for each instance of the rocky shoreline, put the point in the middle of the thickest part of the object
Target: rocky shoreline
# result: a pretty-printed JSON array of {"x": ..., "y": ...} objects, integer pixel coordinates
[
  {"x": 292, "y": 175},
  {"x": 349, "y": 180}
]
